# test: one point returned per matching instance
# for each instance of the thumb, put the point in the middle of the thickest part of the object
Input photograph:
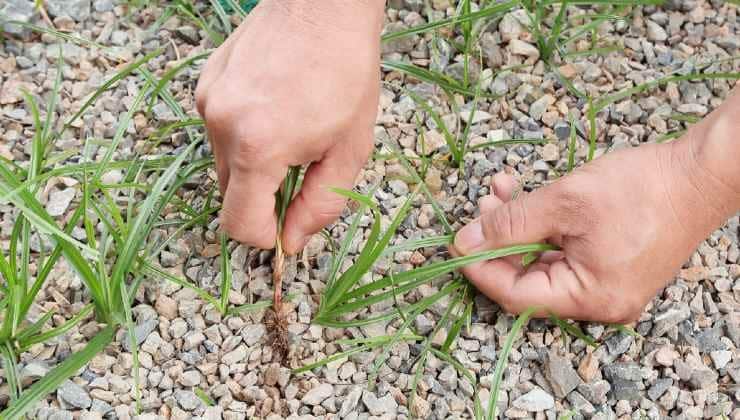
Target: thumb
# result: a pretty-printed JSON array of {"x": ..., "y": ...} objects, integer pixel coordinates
[
  {"x": 526, "y": 219},
  {"x": 316, "y": 206}
]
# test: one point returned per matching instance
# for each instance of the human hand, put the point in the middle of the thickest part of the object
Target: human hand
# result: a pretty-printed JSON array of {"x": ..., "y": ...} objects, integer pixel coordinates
[
  {"x": 625, "y": 224},
  {"x": 297, "y": 83}
]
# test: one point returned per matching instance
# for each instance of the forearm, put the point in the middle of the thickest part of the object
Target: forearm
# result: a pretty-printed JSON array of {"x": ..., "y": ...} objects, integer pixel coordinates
[{"x": 714, "y": 146}]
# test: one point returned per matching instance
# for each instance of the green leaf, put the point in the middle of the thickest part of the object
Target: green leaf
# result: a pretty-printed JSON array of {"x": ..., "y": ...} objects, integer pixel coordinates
[
  {"x": 53, "y": 379},
  {"x": 503, "y": 360}
]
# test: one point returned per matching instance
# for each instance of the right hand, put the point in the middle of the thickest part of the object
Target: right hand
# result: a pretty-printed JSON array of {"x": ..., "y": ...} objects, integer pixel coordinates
[
  {"x": 625, "y": 224},
  {"x": 297, "y": 83}
]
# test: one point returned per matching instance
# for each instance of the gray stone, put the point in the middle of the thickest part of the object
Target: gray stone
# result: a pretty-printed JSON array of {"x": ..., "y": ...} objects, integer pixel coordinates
[
  {"x": 398, "y": 187},
  {"x": 624, "y": 370},
  {"x": 539, "y": 107},
  {"x": 656, "y": 32},
  {"x": 535, "y": 400},
  {"x": 403, "y": 44},
  {"x": 562, "y": 130},
  {"x": 580, "y": 404},
  {"x": 18, "y": 10},
  {"x": 34, "y": 370},
  {"x": 720, "y": 358},
  {"x": 561, "y": 375},
  {"x": 619, "y": 343},
  {"x": 670, "y": 318},
  {"x": 488, "y": 353},
  {"x": 103, "y": 5},
  {"x": 386, "y": 405},
  {"x": 625, "y": 390},
  {"x": 595, "y": 392},
  {"x": 423, "y": 324},
  {"x": 703, "y": 378},
  {"x": 71, "y": 394},
  {"x": 350, "y": 402},
  {"x": 448, "y": 378},
  {"x": 78, "y": 10},
  {"x": 187, "y": 400},
  {"x": 659, "y": 388},
  {"x": 518, "y": 47},
  {"x": 252, "y": 334},
  {"x": 59, "y": 201},
  {"x": 141, "y": 332},
  {"x": 317, "y": 395}
]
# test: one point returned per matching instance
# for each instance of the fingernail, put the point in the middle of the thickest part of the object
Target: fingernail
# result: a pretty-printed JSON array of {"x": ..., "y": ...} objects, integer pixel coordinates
[{"x": 470, "y": 237}]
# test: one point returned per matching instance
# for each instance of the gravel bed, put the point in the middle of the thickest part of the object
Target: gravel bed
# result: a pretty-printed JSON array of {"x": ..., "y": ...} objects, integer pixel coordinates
[{"x": 684, "y": 364}]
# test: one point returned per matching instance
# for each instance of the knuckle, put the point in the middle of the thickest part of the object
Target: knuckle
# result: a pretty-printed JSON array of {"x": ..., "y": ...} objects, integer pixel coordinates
[{"x": 507, "y": 221}]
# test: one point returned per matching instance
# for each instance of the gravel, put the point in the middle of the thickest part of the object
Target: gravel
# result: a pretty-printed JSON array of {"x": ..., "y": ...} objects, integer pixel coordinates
[{"x": 683, "y": 364}]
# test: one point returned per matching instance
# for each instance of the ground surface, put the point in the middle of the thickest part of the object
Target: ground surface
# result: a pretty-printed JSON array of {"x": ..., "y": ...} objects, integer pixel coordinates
[{"x": 686, "y": 362}]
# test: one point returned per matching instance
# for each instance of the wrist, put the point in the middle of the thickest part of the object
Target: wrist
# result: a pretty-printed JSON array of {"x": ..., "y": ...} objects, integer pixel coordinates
[{"x": 710, "y": 151}]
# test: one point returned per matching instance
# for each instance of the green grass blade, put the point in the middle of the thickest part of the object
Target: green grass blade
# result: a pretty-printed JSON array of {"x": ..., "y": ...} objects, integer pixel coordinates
[
  {"x": 225, "y": 275},
  {"x": 503, "y": 360},
  {"x": 30, "y": 340},
  {"x": 53, "y": 379}
]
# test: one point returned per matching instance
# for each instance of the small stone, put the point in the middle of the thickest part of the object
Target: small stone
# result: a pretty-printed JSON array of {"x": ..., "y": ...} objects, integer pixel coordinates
[
  {"x": 509, "y": 27},
  {"x": 166, "y": 306},
  {"x": 695, "y": 109},
  {"x": 187, "y": 400},
  {"x": 665, "y": 356},
  {"x": 518, "y": 47},
  {"x": 59, "y": 201},
  {"x": 18, "y": 10},
  {"x": 386, "y": 405},
  {"x": 350, "y": 402},
  {"x": 703, "y": 379},
  {"x": 235, "y": 356},
  {"x": 550, "y": 152},
  {"x": 589, "y": 367},
  {"x": 538, "y": 107},
  {"x": 659, "y": 388},
  {"x": 398, "y": 187},
  {"x": 535, "y": 400},
  {"x": 78, "y": 10},
  {"x": 720, "y": 358},
  {"x": 73, "y": 395},
  {"x": 619, "y": 343},
  {"x": 317, "y": 395},
  {"x": 432, "y": 141},
  {"x": 656, "y": 32},
  {"x": 478, "y": 116},
  {"x": 423, "y": 324},
  {"x": 561, "y": 375},
  {"x": 670, "y": 318},
  {"x": 141, "y": 332},
  {"x": 252, "y": 334}
]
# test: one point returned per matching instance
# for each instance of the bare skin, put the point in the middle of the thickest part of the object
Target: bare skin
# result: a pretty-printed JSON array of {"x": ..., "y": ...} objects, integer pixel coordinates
[
  {"x": 625, "y": 222},
  {"x": 306, "y": 91},
  {"x": 278, "y": 95}
]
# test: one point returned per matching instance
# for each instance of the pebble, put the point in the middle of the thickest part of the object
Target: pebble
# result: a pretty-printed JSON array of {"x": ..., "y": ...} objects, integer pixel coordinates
[
  {"x": 655, "y": 32},
  {"x": 385, "y": 405},
  {"x": 318, "y": 394},
  {"x": 71, "y": 394},
  {"x": 561, "y": 375},
  {"x": 535, "y": 400},
  {"x": 59, "y": 201},
  {"x": 522, "y": 48}
]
